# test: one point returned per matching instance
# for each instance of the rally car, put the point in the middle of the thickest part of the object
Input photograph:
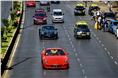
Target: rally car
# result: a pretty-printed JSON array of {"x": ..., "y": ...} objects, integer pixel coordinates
[
  {"x": 81, "y": 30},
  {"x": 93, "y": 7},
  {"x": 48, "y": 31},
  {"x": 79, "y": 9},
  {"x": 40, "y": 17},
  {"x": 30, "y": 3},
  {"x": 54, "y": 58}
]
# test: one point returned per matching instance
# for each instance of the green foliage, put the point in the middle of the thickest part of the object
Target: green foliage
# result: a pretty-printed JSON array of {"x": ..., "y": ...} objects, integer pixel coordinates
[
  {"x": 4, "y": 33},
  {"x": 13, "y": 15},
  {"x": 5, "y": 22}
]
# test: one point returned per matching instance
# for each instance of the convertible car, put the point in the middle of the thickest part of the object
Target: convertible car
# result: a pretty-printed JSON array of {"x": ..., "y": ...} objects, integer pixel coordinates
[{"x": 54, "y": 58}]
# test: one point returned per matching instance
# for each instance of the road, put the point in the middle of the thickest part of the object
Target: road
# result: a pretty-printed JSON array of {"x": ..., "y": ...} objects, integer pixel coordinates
[
  {"x": 5, "y": 9},
  {"x": 88, "y": 58}
]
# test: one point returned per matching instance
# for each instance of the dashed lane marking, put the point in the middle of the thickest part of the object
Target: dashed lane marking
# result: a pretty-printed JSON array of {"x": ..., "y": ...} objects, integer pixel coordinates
[
  {"x": 115, "y": 62},
  {"x": 111, "y": 57}
]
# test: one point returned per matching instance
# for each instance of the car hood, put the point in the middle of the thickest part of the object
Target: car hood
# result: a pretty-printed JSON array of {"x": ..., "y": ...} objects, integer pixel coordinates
[
  {"x": 56, "y": 59},
  {"x": 54, "y": 16},
  {"x": 39, "y": 17}
]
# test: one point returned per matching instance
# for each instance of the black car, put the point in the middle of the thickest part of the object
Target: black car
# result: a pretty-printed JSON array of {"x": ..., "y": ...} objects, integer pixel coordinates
[
  {"x": 109, "y": 15},
  {"x": 79, "y": 9},
  {"x": 48, "y": 31},
  {"x": 55, "y": 2},
  {"x": 81, "y": 30},
  {"x": 92, "y": 8}
]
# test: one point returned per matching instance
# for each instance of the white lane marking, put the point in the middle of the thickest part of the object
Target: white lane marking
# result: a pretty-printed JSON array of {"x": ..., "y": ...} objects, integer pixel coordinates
[
  {"x": 105, "y": 49},
  {"x": 85, "y": 76},
  {"x": 97, "y": 38},
  {"x": 102, "y": 45},
  {"x": 81, "y": 65},
  {"x": 76, "y": 54},
  {"x": 44, "y": 73},
  {"x": 108, "y": 53},
  {"x": 99, "y": 41},
  {"x": 115, "y": 62},
  {"x": 78, "y": 59},
  {"x": 111, "y": 57},
  {"x": 83, "y": 71}
]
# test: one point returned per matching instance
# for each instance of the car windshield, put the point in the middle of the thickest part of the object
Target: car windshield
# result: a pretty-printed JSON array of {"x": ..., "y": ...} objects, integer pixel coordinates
[
  {"x": 40, "y": 14},
  {"x": 115, "y": 23},
  {"x": 57, "y": 13},
  {"x": 48, "y": 28},
  {"x": 54, "y": 52},
  {"x": 79, "y": 8},
  {"x": 82, "y": 26},
  {"x": 94, "y": 8},
  {"x": 109, "y": 15}
]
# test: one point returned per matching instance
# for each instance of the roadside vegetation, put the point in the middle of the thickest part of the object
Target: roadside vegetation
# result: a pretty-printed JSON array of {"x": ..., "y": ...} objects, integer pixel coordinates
[{"x": 10, "y": 26}]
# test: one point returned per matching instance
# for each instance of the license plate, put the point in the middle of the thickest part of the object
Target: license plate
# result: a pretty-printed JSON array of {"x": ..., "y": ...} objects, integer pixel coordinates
[{"x": 83, "y": 34}]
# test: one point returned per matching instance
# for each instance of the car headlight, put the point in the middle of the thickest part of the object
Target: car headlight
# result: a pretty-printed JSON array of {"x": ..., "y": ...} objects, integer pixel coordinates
[
  {"x": 45, "y": 61},
  {"x": 66, "y": 61},
  {"x": 78, "y": 33},
  {"x": 42, "y": 32},
  {"x": 44, "y": 18},
  {"x": 75, "y": 10},
  {"x": 88, "y": 33},
  {"x": 35, "y": 18}
]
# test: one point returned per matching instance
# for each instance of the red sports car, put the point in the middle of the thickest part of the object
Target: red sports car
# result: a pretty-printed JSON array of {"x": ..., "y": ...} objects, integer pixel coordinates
[
  {"x": 30, "y": 3},
  {"x": 54, "y": 58}
]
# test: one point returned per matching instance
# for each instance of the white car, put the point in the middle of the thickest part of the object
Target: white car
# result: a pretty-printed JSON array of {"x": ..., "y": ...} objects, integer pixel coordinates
[{"x": 57, "y": 15}]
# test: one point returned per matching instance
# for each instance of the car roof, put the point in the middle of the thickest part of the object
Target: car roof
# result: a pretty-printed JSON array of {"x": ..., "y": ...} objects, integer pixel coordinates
[
  {"x": 40, "y": 10},
  {"x": 80, "y": 4},
  {"x": 94, "y": 4},
  {"x": 59, "y": 10},
  {"x": 81, "y": 23}
]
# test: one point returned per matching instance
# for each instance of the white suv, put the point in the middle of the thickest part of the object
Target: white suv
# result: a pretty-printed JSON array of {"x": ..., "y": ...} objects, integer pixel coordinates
[{"x": 57, "y": 15}]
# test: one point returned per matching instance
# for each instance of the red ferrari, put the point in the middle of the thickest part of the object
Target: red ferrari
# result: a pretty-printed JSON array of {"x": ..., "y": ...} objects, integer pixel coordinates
[{"x": 54, "y": 58}]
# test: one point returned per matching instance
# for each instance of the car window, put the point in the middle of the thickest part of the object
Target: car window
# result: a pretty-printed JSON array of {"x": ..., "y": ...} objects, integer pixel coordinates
[
  {"x": 82, "y": 26},
  {"x": 115, "y": 23},
  {"x": 109, "y": 14},
  {"x": 48, "y": 28},
  {"x": 79, "y": 8},
  {"x": 40, "y": 14},
  {"x": 57, "y": 13},
  {"x": 54, "y": 52}
]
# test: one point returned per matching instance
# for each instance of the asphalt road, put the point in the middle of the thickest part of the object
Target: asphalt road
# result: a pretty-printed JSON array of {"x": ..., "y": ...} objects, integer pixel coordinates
[
  {"x": 5, "y": 9},
  {"x": 88, "y": 58}
]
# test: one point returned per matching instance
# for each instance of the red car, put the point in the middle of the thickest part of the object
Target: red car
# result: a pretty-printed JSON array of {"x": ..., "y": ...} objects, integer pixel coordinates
[
  {"x": 54, "y": 58},
  {"x": 40, "y": 17},
  {"x": 30, "y": 3}
]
